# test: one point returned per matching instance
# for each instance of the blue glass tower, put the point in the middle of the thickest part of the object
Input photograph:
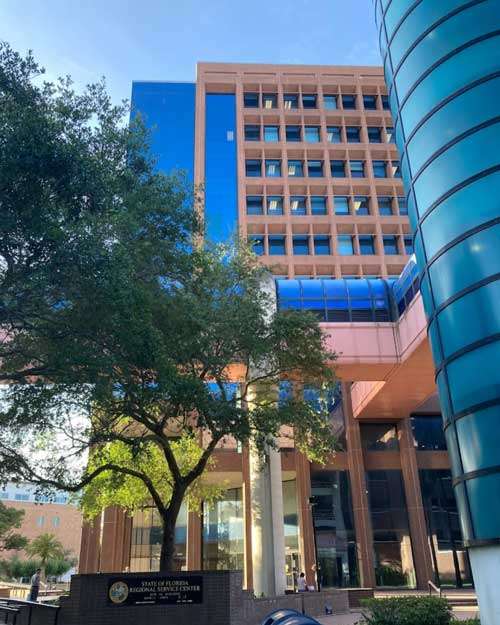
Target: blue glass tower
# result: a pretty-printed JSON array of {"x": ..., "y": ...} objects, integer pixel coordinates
[{"x": 442, "y": 67}]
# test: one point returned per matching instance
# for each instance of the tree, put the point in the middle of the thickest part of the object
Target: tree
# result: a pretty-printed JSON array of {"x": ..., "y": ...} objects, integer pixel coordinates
[
  {"x": 11, "y": 519},
  {"x": 45, "y": 548},
  {"x": 148, "y": 348}
]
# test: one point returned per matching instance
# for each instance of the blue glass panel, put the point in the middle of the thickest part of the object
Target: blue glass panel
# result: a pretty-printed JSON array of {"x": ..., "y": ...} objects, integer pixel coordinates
[
  {"x": 484, "y": 498},
  {"x": 453, "y": 452},
  {"x": 443, "y": 397},
  {"x": 288, "y": 288},
  {"x": 426, "y": 296},
  {"x": 394, "y": 13},
  {"x": 361, "y": 304},
  {"x": 479, "y": 438},
  {"x": 295, "y": 304},
  {"x": 313, "y": 304},
  {"x": 285, "y": 392},
  {"x": 312, "y": 288},
  {"x": 221, "y": 202},
  {"x": 335, "y": 288},
  {"x": 435, "y": 343},
  {"x": 358, "y": 288},
  {"x": 463, "y": 512}
]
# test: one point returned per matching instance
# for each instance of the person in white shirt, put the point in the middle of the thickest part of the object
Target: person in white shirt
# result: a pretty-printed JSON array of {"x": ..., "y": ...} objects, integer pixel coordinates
[
  {"x": 35, "y": 585},
  {"x": 301, "y": 583}
]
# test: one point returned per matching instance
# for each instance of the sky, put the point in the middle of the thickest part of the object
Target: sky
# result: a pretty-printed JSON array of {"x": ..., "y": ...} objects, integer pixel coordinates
[{"x": 127, "y": 40}]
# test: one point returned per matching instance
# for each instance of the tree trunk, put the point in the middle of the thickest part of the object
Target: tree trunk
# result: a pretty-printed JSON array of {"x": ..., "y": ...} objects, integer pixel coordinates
[{"x": 169, "y": 518}]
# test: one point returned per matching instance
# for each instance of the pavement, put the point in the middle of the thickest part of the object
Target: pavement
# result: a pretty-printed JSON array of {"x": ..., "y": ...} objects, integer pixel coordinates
[{"x": 354, "y": 617}]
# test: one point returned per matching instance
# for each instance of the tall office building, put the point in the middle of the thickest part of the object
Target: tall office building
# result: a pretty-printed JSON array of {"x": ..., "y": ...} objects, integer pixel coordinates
[{"x": 302, "y": 161}]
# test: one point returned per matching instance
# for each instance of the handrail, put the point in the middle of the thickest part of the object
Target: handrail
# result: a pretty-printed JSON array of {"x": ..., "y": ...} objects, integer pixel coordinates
[{"x": 432, "y": 586}]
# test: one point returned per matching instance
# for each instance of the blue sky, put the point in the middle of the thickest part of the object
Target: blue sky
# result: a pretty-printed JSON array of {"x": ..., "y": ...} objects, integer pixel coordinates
[{"x": 162, "y": 39}]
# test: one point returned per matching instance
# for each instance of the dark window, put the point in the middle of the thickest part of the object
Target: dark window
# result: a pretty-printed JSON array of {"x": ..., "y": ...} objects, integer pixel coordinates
[
  {"x": 330, "y": 102},
  {"x": 361, "y": 205},
  {"x": 309, "y": 100},
  {"x": 254, "y": 205},
  {"x": 257, "y": 243},
  {"x": 251, "y": 100},
  {"x": 389, "y": 134},
  {"x": 293, "y": 133},
  {"x": 322, "y": 245},
  {"x": 408, "y": 245},
  {"x": 352, "y": 134},
  {"x": 344, "y": 245},
  {"x": 312, "y": 134},
  {"x": 252, "y": 133},
  {"x": 291, "y": 101},
  {"x": 370, "y": 102},
  {"x": 337, "y": 169},
  {"x": 300, "y": 245},
  {"x": 385, "y": 102},
  {"x": 295, "y": 169},
  {"x": 298, "y": 205},
  {"x": 379, "y": 169},
  {"x": 396, "y": 169},
  {"x": 374, "y": 135},
  {"x": 273, "y": 168},
  {"x": 428, "y": 432},
  {"x": 274, "y": 205},
  {"x": 379, "y": 437},
  {"x": 333, "y": 134},
  {"x": 277, "y": 245},
  {"x": 318, "y": 205},
  {"x": 357, "y": 169},
  {"x": 366, "y": 246},
  {"x": 385, "y": 205},
  {"x": 269, "y": 100},
  {"x": 315, "y": 169},
  {"x": 341, "y": 203},
  {"x": 253, "y": 168},
  {"x": 390, "y": 245},
  {"x": 271, "y": 133},
  {"x": 349, "y": 101},
  {"x": 403, "y": 205}
]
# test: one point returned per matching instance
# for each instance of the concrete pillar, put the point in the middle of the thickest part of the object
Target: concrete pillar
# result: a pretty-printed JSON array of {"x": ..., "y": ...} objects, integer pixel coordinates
[
  {"x": 247, "y": 519},
  {"x": 306, "y": 530},
  {"x": 193, "y": 542},
  {"x": 90, "y": 547},
  {"x": 115, "y": 540}
]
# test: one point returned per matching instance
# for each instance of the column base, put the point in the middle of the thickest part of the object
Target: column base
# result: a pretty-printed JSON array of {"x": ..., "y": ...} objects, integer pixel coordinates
[{"x": 484, "y": 562}]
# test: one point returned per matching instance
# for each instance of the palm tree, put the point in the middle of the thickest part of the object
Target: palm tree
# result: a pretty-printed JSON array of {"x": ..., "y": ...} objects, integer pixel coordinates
[{"x": 45, "y": 547}]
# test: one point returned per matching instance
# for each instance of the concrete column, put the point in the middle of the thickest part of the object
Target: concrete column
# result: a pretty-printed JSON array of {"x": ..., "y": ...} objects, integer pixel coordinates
[
  {"x": 306, "y": 529},
  {"x": 90, "y": 547},
  {"x": 247, "y": 519},
  {"x": 115, "y": 549},
  {"x": 422, "y": 559},
  {"x": 193, "y": 542},
  {"x": 484, "y": 562}
]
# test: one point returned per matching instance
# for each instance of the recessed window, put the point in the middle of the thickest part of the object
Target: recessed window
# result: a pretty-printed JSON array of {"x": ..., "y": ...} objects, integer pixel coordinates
[
  {"x": 337, "y": 169},
  {"x": 300, "y": 245},
  {"x": 322, "y": 245},
  {"x": 269, "y": 100},
  {"x": 341, "y": 203},
  {"x": 309, "y": 100},
  {"x": 253, "y": 168},
  {"x": 295, "y": 169},
  {"x": 396, "y": 169},
  {"x": 318, "y": 205},
  {"x": 251, "y": 100},
  {"x": 252, "y": 133},
  {"x": 257, "y": 243},
  {"x": 390, "y": 245},
  {"x": 361, "y": 205},
  {"x": 344, "y": 245},
  {"x": 379, "y": 169},
  {"x": 385, "y": 205},
  {"x": 298, "y": 205},
  {"x": 349, "y": 102},
  {"x": 352, "y": 134},
  {"x": 389, "y": 134},
  {"x": 379, "y": 437},
  {"x": 330, "y": 102},
  {"x": 291, "y": 101},
  {"x": 374, "y": 135},
  {"x": 385, "y": 102},
  {"x": 370, "y": 102},
  {"x": 277, "y": 245},
  {"x": 403, "y": 205},
  {"x": 271, "y": 133},
  {"x": 273, "y": 168},
  {"x": 40, "y": 521},
  {"x": 366, "y": 245},
  {"x": 408, "y": 245},
  {"x": 357, "y": 169},
  {"x": 274, "y": 205},
  {"x": 312, "y": 134},
  {"x": 254, "y": 205},
  {"x": 293, "y": 133},
  {"x": 333, "y": 134},
  {"x": 315, "y": 169},
  {"x": 56, "y": 521}
]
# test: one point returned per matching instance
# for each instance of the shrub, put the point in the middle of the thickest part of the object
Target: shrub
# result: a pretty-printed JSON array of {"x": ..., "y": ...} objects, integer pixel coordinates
[
  {"x": 469, "y": 621},
  {"x": 407, "y": 611}
]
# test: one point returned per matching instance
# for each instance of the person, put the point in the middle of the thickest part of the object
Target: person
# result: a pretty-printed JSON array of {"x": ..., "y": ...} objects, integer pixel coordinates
[
  {"x": 35, "y": 585},
  {"x": 301, "y": 583}
]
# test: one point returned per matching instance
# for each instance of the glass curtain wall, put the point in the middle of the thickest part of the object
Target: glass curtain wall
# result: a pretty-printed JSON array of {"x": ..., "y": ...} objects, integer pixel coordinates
[
  {"x": 293, "y": 562},
  {"x": 223, "y": 533}
]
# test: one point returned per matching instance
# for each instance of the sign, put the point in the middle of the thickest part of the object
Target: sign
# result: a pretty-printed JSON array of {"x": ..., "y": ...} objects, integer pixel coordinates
[{"x": 143, "y": 590}]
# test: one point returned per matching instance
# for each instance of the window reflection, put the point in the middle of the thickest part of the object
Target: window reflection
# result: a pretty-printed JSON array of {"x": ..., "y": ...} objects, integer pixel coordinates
[
  {"x": 379, "y": 437},
  {"x": 223, "y": 534}
]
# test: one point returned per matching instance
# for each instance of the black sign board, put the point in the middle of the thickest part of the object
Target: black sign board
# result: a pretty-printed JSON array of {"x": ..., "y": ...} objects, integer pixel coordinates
[{"x": 145, "y": 590}]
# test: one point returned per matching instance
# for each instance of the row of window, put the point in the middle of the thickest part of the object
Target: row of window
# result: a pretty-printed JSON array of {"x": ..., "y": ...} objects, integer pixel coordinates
[
  {"x": 40, "y": 521},
  {"x": 27, "y": 496},
  {"x": 318, "y": 205},
  {"x": 292, "y": 101},
  {"x": 312, "y": 133},
  {"x": 315, "y": 168},
  {"x": 321, "y": 245}
]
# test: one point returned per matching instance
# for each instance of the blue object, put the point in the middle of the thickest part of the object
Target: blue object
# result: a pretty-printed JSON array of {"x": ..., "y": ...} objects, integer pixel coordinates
[{"x": 288, "y": 617}]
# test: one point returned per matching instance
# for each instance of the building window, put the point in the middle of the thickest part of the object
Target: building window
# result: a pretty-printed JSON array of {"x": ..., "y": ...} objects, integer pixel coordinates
[
  {"x": 322, "y": 245},
  {"x": 40, "y": 521},
  {"x": 223, "y": 533},
  {"x": 295, "y": 169},
  {"x": 273, "y": 168},
  {"x": 370, "y": 102},
  {"x": 352, "y": 134},
  {"x": 379, "y": 437},
  {"x": 349, "y": 102},
  {"x": 300, "y": 245},
  {"x": 271, "y": 133},
  {"x": 254, "y": 205},
  {"x": 330, "y": 102},
  {"x": 309, "y": 100},
  {"x": 403, "y": 205},
  {"x": 361, "y": 205},
  {"x": 252, "y": 132},
  {"x": 357, "y": 169},
  {"x": 257, "y": 243},
  {"x": 390, "y": 245},
  {"x": 298, "y": 205},
  {"x": 291, "y": 101},
  {"x": 277, "y": 245},
  {"x": 333, "y": 134},
  {"x": 408, "y": 245},
  {"x": 274, "y": 205},
  {"x": 344, "y": 245},
  {"x": 293, "y": 133},
  {"x": 251, "y": 100},
  {"x": 312, "y": 134},
  {"x": 4, "y": 494},
  {"x": 385, "y": 205},
  {"x": 366, "y": 246},
  {"x": 341, "y": 203},
  {"x": 318, "y": 205},
  {"x": 315, "y": 169},
  {"x": 337, "y": 169},
  {"x": 253, "y": 168},
  {"x": 379, "y": 169},
  {"x": 269, "y": 100},
  {"x": 389, "y": 134},
  {"x": 396, "y": 169},
  {"x": 374, "y": 135},
  {"x": 21, "y": 497},
  {"x": 56, "y": 521},
  {"x": 385, "y": 102},
  {"x": 428, "y": 432}
]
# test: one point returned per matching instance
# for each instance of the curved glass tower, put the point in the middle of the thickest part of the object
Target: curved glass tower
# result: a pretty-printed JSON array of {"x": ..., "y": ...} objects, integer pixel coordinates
[{"x": 442, "y": 67}]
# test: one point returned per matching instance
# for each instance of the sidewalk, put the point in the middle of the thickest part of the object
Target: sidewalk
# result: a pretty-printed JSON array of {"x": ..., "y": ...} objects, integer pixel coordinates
[{"x": 354, "y": 617}]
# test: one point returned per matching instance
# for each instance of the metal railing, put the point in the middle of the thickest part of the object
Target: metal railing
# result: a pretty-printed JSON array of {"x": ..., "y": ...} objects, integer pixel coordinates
[{"x": 432, "y": 587}]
